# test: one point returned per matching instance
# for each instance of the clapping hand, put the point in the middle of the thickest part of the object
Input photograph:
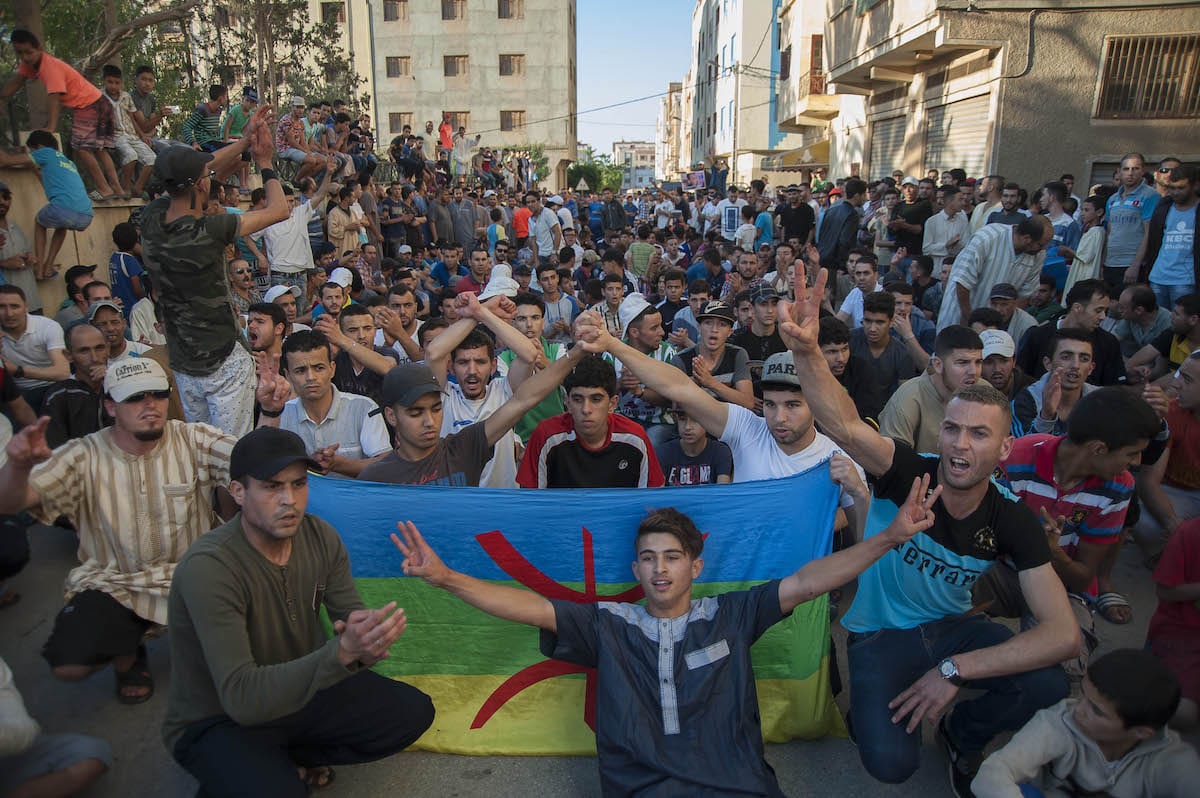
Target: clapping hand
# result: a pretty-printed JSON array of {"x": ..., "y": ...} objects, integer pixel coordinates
[{"x": 366, "y": 635}]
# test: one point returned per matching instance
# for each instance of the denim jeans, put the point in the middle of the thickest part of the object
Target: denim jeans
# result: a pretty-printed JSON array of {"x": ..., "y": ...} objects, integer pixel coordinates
[
  {"x": 1168, "y": 295},
  {"x": 884, "y": 663}
]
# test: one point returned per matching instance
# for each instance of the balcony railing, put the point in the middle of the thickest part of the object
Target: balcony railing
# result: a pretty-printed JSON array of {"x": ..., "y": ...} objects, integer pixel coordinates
[{"x": 812, "y": 83}]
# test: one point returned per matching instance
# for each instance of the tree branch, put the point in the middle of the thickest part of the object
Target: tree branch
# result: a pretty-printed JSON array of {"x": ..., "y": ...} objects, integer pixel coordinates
[{"x": 116, "y": 38}]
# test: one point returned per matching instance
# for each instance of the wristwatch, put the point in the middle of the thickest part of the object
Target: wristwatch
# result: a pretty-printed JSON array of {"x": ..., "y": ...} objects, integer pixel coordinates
[{"x": 949, "y": 671}]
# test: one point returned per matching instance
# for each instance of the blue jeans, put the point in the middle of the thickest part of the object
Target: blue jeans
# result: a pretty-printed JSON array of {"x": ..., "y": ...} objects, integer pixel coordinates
[
  {"x": 884, "y": 663},
  {"x": 1168, "y": 295},
  {"x": 56, "y": 217}
]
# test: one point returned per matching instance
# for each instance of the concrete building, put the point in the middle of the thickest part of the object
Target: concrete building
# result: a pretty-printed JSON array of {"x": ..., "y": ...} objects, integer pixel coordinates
[
  {"x": 1029, "y": 90},
  {"x": 666, "y": 134},
  {"x": 807, "y": 103},
  {"x": 501, "y": 68},
  {"x": 735, "y": 61},
  {"x": 636, "y": 159}
]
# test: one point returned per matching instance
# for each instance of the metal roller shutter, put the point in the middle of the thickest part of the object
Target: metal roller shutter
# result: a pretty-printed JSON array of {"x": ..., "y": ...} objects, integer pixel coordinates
[
  {"x": 957, "y": 136},
  {"x": 887, "y": 146}
]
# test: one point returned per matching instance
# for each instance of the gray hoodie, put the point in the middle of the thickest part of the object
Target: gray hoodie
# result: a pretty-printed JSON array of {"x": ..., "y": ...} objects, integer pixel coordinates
[{"x": 1051, "y": 753}]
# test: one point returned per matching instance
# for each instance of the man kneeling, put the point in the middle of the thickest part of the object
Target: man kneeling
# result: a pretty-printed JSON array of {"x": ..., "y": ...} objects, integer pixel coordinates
[
  {"x": 261, "y": 703},
  {"x": 676, "y": 669}
]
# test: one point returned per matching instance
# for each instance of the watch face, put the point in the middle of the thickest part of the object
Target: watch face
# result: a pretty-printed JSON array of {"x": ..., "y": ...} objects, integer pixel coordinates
[{"x": 947, "y": 669}]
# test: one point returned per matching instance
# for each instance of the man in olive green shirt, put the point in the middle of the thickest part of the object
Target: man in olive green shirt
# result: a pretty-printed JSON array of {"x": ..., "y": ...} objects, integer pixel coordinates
[{"x": 261, "y": 703}]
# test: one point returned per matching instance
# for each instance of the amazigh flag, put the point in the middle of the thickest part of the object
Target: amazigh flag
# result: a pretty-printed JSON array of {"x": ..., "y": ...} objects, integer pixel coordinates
[{"x": 494, "y": 691}]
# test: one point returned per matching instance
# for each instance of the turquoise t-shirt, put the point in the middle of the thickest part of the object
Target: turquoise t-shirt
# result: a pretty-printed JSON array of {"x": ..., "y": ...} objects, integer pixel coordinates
[
  {"x": 1174, "y": 264},
  {"x": 61, "y": 181}
]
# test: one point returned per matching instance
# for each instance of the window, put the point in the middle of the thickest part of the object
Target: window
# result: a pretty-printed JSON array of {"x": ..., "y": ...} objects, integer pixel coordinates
[
  {"x": 460, "y": 119},
  {"x": 510, "y": 9},
  {"x": 395, "y": 10},
  {"x": 512, "y": 120},
  {"x": 399, "y": 66},
  {"x": 334, "y": 13},
  {"x": 454, "y": 66},
  {"x": 722, "y": 127},
  {"x": 1150, "y": 77},
  {"x": 397, "y": 121},
  {"x": 785, "y": 63},
  {"x": 733, "y": 48},
  {"x": 454, "y": 9},
  {"x": 512, "y": 65},
  {"x": 816, "y": 54}
]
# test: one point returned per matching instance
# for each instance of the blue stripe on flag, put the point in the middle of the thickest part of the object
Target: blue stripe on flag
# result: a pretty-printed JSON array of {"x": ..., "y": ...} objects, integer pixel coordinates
[{"x": 756, "y": 530}]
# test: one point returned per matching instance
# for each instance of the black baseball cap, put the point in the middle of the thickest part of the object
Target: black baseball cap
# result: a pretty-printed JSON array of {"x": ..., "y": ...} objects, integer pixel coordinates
[
  {"x": 405, "y": 384},
  {"x": 77, "y": 271},
  {"x": 717, "y": 310},
  {"x": 181, "y": 166},
  {"x": 264, "y": 452}
]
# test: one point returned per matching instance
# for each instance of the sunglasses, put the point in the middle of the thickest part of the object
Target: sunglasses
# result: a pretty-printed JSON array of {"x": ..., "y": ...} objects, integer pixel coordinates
[
  {"x": 138, "y": 398},
  {"x": 241, "y": 271}
]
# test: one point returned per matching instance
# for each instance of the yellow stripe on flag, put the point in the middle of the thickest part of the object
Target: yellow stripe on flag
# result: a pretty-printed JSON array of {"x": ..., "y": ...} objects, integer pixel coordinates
[{"x": 546, "y": 719}]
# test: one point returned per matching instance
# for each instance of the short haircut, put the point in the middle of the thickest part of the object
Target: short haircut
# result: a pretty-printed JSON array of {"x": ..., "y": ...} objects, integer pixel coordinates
[
  {"x": 1142, "y": 296},
  {"x": 1092, "y": 419},
  {"x": 592, "y": 372},
  {"x": 110, "y": 71},
  {"x": 22, "y": 36},
  {"x": 880, "y": 302},
  {"x": 612, "y": 278},
  {"x": 429, "y": 327},
  {"x": 870, "y": 259},
  {"x": 1067, "y": 334},
  {"x": 476, "y": 339},
  {"x": 833, "y": 331},
  {"x": 1140, "y": 686},
  {"x": 87, "y": 287},
  {"x": 74, "y": 329},
  {"x": 352, "y": 310},
  {"x": 674, "y": 275},
  {"x": 699, "y": 286},
  {"x": 566, "y": 255},
  {"x": 1057, "y": 190},
  {"x": 546, "y": 266},
  {"x": 854, "y": 186},
  {"x": 1033, "y": 227},
  {"x": 41, "y": 138},
  {"x": 529, "y": 298},
  {"x": 946, "y": 189},
  {"x": 216, "y": 91},
  {"x": 346, "y": 192},
  {"x": 125, "y": 236},
  {"x": 1184, "y": 172},
  {"x": 613, "y": 255},
  {"x": 982, "y": 393},
  {"x": 1046, "y": 279},
  {"x": 276, "y": 312},
  {"x": 332, "y": 284},
  {"x": 400, "y": 290},
  {"x": 305, "y": 341},
  {"x": 13, "y": 290},
  {"x": 924, "y": 263},
  {"x": 144, "y": 69},
  {"x": 1189, "y": 304},
  {"x": 956, "y": 336},
  {"x": 1084, "y": 291},
  {"x": 899, "y": 287},
  {"x": 669, "y": 521},
  {"x": 988, "y": 317}
]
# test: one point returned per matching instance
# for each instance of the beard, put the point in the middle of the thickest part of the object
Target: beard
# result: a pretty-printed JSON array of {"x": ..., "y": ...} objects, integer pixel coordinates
[{"x": 148, "y": 435}]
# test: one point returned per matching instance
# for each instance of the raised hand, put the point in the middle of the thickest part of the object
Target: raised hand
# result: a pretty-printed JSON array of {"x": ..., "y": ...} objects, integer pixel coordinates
[
  {"x": 591, "y": 333},
  {"x": 1053, "y": 527},
  {"x": 271, "y": 391},
  {"x": 1156, "y": 397},
  {"x": 701, "y": 371},
  {"x": 800, "y": 321},
  {"x": 844, "y": 474},
  {"x": 916, "y": 514},
  {"x": 366, "y": 635},
  {"x": 28, "y": 447},
  {"x": 420, "y": 559},
  {"x": 1052, "y": 395}
]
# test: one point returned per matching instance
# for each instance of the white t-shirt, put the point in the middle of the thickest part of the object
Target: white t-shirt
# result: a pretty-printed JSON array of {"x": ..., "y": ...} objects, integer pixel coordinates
[
  {"x": 132, "y": 349},
  {"x": 142, "y": 321},
  {"x": 744, "y": 237},
  {"x": 565, "y": 220},
  {"x": 729, "y": 219},
  {"x": 32, "y": 350},
  {"x": 288, "y": 249},
  {"x": 853, "y": 305},
  {"x": 541, "y": 227},
  {"x": 459, "y": 412},
  {"x": 402, "y": 356},
  {"x": 756, "y": 455},
  {"x": 662, "y": 214}
]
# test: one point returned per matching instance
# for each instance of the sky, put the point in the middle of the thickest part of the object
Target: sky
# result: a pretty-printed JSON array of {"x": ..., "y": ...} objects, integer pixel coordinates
[{"x": 644, "y": 45}]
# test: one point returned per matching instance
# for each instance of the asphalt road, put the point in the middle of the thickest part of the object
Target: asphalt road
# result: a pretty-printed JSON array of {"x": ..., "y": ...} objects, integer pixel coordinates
[{"x": 143, "y": 768}]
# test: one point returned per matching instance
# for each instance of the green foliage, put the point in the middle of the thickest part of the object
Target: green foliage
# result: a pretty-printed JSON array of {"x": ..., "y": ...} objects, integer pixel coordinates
[
  {"x": 539, "y": 162},
  {"x": 599, "y": 173}
]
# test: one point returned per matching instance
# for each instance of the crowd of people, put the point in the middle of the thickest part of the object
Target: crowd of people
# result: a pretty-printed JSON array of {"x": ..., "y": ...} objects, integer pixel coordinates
[{"x": 1017, "y": 370}]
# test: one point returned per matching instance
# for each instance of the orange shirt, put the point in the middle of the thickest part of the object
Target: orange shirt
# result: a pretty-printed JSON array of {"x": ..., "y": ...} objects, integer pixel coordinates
[
  {"x": 61, "y": 78},
  {"x": 521, "y": 221}
]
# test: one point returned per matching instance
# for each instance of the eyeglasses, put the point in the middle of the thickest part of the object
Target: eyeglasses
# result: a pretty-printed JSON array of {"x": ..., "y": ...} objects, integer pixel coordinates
[
  {"x": 138, "y": 398},
  {"x": 241, "y": 271}
]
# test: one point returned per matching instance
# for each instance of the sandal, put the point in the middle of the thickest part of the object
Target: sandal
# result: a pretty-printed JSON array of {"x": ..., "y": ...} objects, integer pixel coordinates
[
  {"x": 318, "y": 778},
  {"x": 1106, "y": 603},
  {"x": 138, "y": 675}
]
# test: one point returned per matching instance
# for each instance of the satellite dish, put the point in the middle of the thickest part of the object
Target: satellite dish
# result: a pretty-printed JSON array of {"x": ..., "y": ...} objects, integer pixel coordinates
[{"x": 582, "y": 185}]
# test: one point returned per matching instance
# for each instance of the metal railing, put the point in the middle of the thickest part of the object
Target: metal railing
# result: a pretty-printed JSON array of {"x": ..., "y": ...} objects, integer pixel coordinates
[
  {"x": 1156, "y": 77},
  {"x": 812, "y": 83}
]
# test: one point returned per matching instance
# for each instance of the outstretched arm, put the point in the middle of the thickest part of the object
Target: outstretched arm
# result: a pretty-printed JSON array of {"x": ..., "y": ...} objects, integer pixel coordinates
[
  {"x": 532, "y": 391},
  {"x": 832, "y": 407},
  {"x": 821, "y": 576},
  {"x": 662, "y": 378},
  {"x": 26, "y": 449},
  {"x": 509, "y": 603}
]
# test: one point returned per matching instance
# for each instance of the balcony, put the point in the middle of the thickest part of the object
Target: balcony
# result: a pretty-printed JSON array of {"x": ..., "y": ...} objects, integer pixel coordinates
[{"x": 803, "y": 103}]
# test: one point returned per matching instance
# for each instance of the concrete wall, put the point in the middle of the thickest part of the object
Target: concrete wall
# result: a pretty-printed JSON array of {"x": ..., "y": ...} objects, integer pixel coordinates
[
  {"x": 545, "y": 36},
  {"x": 93, "y": 245}
]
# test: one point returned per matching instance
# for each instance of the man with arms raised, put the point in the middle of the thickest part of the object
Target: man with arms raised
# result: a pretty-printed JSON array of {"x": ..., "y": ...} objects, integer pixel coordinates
[
  {"x": 139, "y": 493},
  {"x": 912, "y": 640},
  {"x": 660, "y": 663},
  {"x": 262, "y": 702}
]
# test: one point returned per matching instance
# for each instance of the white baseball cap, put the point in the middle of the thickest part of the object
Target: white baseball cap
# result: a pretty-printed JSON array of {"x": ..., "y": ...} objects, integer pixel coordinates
[
  {"x": 997, "y": 342},
  {"x": 342, "y": 276},
  {"x": 501, "y": 283},
  {"x": 631, "y": 307},
  {"x": 276, "y": 291},
  {"x": 134, "y": 375},
  {"x": 554, "y": 199}
]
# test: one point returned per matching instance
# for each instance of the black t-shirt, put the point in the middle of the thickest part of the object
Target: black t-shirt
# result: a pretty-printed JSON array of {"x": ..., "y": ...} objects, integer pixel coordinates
[
  {"x": 668, "y": 309},
  {"x": 1106, "y": 353},
  {"x": 868, "y": 395},
  {"x": 916, "y": 213},
  {"x": 366, "y": 383},
  {"x": 797, "y": 221},
  {"x": 758, "y": 349}
]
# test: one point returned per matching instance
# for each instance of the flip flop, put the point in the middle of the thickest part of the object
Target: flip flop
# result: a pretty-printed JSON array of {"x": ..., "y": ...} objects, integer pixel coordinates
[
  {"x": 138, "y": 675},
  {"x": 1112, "y": 600}
]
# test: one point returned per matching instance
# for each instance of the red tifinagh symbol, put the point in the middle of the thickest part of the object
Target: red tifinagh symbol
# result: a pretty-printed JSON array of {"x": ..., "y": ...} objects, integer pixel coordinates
[{"x": 513, "y": 563}]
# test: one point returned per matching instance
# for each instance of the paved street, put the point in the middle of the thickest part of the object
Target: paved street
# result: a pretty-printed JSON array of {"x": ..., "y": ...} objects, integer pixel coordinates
[{"x": 142, "y": 768}]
